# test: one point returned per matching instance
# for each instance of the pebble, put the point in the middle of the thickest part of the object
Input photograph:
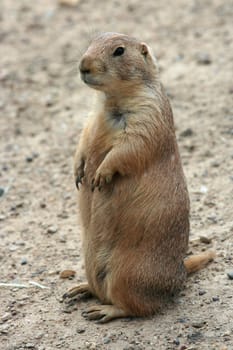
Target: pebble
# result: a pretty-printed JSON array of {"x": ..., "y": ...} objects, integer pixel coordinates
[
  {"x": 203, "y": 189},
  {"x": 182, "y": 320},
  {"x": 5, "y": 317},
  {"x": 39, "y": 335},
  {"x": 230, "y": 275},
  {"x": 90, "y": 345},
  {"x": 2, "y": 191},
  {"x": 215, "y": 164},
  {"x": 106, "y": 340},
  {"x": 203, "y": 58},
  {"x": 52, "y": 229},
  {"x": 29, "y": 159},
  {"x": 206, "y": 240},
  {"x": 213, "y": 218},
  {"x": 176, "y": 342},
  {"x": 201, "y": 292},
  {"x": 13, "y": 312},
  {"x": 187, "y": 132},
  {"x": 215, "y": 298},
  {"x": 24, "y": 261},
  {"x": 67, "y": 274},
  {"x": 80, "y": 330},
  {"x": 4, "y": 329},
  {"x": 62, "y": 239},
  {"x": 198, "y": 324},
  {"x": 49, "y": 101},
  {"x": 195, "y": 336}
]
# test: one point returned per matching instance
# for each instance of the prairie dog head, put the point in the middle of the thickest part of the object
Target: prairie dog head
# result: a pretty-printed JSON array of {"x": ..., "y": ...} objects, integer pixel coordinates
[{"x": 116, "y": 61}]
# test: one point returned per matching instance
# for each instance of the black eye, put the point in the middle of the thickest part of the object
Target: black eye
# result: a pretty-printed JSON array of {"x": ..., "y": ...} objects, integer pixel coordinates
[{"x": 119, "y": 51}]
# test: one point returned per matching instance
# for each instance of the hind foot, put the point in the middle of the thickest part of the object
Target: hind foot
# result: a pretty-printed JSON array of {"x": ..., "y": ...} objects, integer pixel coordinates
[
  {"x": 82, "y": 291},
  {"x": 104, "y": 313}
]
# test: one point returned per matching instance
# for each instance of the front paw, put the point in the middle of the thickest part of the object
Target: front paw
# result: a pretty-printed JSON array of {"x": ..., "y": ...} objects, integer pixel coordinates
[
  {"x": 79, "y": 178},
  {"x": 101, "y": 178},
  {"x": 79, "y": 173}
]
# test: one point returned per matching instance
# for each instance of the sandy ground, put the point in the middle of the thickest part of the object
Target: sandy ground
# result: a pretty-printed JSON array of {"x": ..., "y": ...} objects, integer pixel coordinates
[{"x": 43, "y": 105}]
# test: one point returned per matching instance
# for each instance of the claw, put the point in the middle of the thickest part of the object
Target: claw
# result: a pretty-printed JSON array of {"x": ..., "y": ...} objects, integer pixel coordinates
[{"x": 79, "y": 180}]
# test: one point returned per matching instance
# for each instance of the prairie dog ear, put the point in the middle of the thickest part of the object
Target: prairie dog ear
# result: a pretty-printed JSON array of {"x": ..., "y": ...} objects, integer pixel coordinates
[
  {"x": 148, "y": 53},
  {"x": 144, "y": 49}
]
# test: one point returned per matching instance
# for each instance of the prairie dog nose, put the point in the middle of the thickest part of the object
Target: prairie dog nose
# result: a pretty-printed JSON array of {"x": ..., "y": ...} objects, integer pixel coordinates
[{"x": 85, "y": 66}]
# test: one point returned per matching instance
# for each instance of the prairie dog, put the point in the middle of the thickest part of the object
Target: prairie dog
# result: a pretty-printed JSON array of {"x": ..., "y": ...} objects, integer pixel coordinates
[{"x": 133, "y": 196}]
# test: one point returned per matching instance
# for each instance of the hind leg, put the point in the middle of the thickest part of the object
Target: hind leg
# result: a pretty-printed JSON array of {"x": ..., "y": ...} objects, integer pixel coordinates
[{"x": 104, "y": 313}]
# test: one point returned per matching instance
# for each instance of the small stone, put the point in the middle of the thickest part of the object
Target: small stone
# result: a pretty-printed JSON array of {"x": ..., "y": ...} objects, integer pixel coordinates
[
  {"x": 67, "y": 274},
  {"x": 43, "y": 205},
  {"x": 203, "y": 189},
  {"x": 226, "y": 334},
  {"x": 29, "y": 159},
  {"x": 201, "y": 292},
  {"x": 81, "y": 330},
  {"x": 187, "y": 132},
  {"x": 195, "y": 336},
  {"x": 198, "y": 324},
  {"x": 52, "y": 229},
  {"x": 30, "y": 346},
  {"x": 182, "y": 320},
  {"x": 90, "y": 345},
  {"x": 230, "y": 275},
  {"x": 215, "y": 164},
  {"x": 206, "y": 240},
  {"x": 4, "y": 329},
  {"x": 106, "y": 340},
  {"x": 5, "y": 317},
  {"x": 213, "y": 219},
  {"x": 24, "y": 261},
  {"x": 215, "y": 298},
  {"x": 203, "y": 58},
  {"x": 53, "y": 273},
  {"x": 176, "y": 342},
  {"x": 48, "y": 101},
  {"x": 62, "y": 239},
  {"x": 39, "y": 335},
  {"x": 13, "y": 312}
]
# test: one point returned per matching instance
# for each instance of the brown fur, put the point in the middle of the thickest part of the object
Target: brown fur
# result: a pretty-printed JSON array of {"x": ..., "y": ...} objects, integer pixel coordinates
[{"x": 133, "y": 200}]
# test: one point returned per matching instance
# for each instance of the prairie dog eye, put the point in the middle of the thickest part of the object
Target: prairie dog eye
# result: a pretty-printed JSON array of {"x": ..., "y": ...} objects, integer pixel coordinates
[{"x": 119, "y": 51}]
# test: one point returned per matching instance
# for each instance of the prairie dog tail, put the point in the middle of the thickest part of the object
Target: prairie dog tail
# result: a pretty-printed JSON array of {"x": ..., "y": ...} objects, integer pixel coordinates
[{"x": 194, "y": 263}]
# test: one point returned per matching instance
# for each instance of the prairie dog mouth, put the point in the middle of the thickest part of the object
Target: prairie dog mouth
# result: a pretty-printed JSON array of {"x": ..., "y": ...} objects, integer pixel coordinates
[{"x": 86, "y": 77}]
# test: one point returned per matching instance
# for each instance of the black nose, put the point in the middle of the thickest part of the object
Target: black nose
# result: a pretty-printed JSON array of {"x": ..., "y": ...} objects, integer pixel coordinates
[
  {"x": 84, "y": 70},
  {"x": 84, "y": 66}
]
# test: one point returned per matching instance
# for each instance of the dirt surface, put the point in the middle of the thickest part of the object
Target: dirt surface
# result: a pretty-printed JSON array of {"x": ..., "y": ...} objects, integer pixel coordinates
[{"x": 43, "y": 105}]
